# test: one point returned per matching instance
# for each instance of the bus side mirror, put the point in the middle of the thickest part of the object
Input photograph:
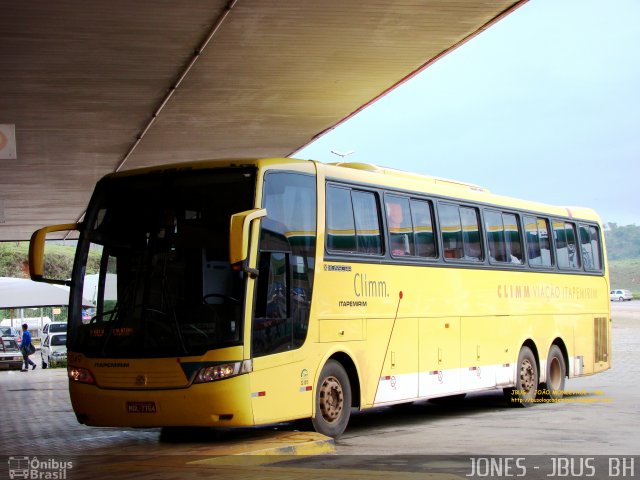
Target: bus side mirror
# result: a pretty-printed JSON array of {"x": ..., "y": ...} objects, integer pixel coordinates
[
  {"x": 37, "y": 252},
  {"x": 239, "y": 235}
]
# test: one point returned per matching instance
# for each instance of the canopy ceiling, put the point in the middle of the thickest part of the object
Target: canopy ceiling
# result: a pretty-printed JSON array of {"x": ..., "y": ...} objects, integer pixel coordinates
[{"x": 92, "y": 87}]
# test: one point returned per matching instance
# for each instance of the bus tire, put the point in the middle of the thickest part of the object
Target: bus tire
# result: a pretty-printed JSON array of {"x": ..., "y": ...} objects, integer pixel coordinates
[
  {"x": 333, "y": 400},
  {"x": 556, "y": 373},
  {"x": 524, "y": 393}
]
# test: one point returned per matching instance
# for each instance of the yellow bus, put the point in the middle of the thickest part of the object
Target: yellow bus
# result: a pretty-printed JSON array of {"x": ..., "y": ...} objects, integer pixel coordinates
[{"x": 248, "y": 292}]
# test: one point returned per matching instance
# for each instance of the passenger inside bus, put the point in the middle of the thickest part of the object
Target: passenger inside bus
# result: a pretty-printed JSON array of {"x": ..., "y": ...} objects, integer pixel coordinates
[{"x": 399, "y": 241}]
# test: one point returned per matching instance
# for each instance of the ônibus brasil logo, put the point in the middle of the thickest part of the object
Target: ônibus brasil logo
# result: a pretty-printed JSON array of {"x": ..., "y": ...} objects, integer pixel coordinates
[{"x": 33, "y": 468}]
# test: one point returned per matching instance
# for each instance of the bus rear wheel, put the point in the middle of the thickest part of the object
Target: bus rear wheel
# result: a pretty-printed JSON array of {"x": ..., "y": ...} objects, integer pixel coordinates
[
  {"x": 524, "y": 393},
  {"x": 556, "y": 373},
  {"x": 333, "y": 400}
]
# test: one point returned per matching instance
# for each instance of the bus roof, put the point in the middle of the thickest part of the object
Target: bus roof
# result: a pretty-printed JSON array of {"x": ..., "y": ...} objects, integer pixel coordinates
[
  {"x": 369, "y": 174},
  {"x": 413, "y": 182}
]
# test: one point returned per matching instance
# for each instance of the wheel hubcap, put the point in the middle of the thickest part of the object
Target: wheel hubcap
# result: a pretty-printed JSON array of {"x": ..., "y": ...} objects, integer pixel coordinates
[
  {"x": 331, "y": 399},
  {"x": 527, "y": 375}
]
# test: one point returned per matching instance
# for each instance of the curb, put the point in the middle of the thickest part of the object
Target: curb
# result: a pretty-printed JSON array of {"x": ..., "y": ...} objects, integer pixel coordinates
[{"x": 274, "y": 445}]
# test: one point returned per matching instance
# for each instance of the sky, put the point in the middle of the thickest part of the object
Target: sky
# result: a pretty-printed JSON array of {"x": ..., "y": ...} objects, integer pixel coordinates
[{"x": 544, "y": 106}]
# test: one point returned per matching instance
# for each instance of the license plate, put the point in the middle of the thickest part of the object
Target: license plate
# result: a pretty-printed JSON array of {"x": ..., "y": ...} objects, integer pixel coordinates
[{"x": 141, "y": 407}]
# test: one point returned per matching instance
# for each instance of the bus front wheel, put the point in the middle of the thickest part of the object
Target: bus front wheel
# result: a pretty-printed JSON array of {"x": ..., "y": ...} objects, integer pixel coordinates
[
  {"x": 524, "y": 393},
  {"x": 333, "y": 400}
]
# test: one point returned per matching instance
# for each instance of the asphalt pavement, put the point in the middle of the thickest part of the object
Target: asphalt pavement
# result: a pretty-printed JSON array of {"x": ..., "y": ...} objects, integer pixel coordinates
[{"x": 424, "y": 440}]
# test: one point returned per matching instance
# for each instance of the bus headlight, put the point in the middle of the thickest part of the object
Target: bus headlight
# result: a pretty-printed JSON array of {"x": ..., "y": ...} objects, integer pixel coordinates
[
  {"x": 81, "y": 375},
  {"x": 220, "y": 372}
]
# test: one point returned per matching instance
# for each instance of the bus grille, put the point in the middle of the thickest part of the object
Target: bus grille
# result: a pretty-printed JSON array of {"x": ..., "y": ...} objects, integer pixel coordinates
[
  {"x": 142, "y": 379},
  {"x": 601, "y": 338}
]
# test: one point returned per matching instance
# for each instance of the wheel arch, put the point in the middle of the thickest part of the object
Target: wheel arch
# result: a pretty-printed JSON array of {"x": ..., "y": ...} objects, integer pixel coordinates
[
  {"x": 352, "y": 372},
  {"x": 534, "y": 349},
  {"x": 559, "y": 342}
]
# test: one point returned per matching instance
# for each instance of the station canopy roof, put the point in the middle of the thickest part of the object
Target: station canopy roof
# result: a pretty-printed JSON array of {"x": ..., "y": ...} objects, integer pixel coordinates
[{"x": 93, "y": 87}]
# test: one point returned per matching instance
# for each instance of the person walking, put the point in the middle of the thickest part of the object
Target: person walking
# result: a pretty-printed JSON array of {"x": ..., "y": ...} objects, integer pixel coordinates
[{"x": 27, "y": 348}]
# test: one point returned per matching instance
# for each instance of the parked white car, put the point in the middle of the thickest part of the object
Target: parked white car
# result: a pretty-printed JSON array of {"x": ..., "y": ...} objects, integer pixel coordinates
[
  {"x": 53, "y": 327},
  {"x": 10, "y": 356},
  {"x": 54, "y": 349},
  {"x": 620, "y": 295}
]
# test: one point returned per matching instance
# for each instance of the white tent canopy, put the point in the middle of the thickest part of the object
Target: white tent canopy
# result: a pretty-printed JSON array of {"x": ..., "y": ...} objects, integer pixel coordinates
[
  {"x": 90, "y": 291},
  {"x": 24, "y": 293}
]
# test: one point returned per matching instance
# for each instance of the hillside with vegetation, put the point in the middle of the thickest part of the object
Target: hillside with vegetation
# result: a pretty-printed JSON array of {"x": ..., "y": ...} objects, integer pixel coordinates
[
  {"x": 622, "y": 242},
  {"x": 623, "y": 251},
  {"x": 626, "y": 274},
  {"x": 58, "y": 260}
]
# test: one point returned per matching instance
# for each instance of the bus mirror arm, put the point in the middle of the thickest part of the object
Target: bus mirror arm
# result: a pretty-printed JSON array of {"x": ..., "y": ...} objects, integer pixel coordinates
[
  {"x": 239, "y": 237},
  {"x": 37, "y": 254},
  {"x": 244, "y": 267},
  {"x": 253, "y": 272}
]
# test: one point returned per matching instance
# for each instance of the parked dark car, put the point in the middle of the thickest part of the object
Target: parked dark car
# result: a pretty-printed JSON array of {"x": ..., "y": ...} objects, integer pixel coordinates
[{"x": 6, "y": 331}]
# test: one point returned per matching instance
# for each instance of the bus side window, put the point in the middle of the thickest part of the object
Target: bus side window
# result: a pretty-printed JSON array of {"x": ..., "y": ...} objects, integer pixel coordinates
[
  {"x": 495, "y": 236},
  {"x": 460, "y": 231},
  {"x": 545, "y": 242},
  {"x": 401, "y": 240},
  {"x": 513, "y": 237},
  {"x": 422, "y": 215},
  {"x": 353, "y": 221},
  {"x": 365, "y": 210},
  {"x": 451, "y": 231},
  {"x": 590, "y": 247},
  {"x": 503, "y": 235},
  {"x": 341, "y": 227},
  {"x": 566, "y": 249},
  {"x": 471, "y": 233},
  {"x": 537, "y": 240},
  {"x": 410, "y": 227}
]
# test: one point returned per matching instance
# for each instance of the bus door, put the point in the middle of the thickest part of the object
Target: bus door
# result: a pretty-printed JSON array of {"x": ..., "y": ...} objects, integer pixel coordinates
[
  {"x": 439, "y": 356},
  {"x": 282, "y": 295},
  {"x": 276, "y": 378}
]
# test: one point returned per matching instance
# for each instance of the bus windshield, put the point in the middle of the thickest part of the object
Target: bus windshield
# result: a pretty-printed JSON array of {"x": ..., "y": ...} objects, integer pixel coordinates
[{"x": 154, "y": 258}]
